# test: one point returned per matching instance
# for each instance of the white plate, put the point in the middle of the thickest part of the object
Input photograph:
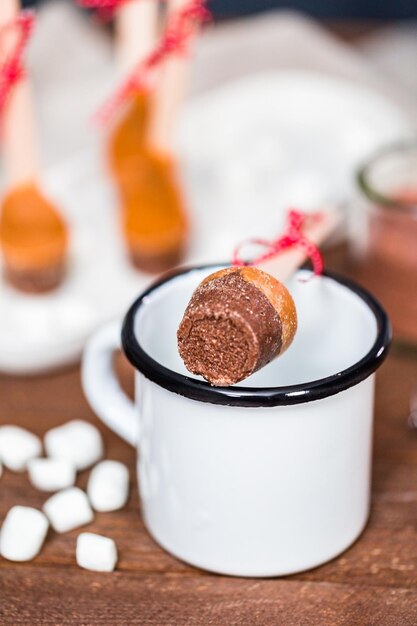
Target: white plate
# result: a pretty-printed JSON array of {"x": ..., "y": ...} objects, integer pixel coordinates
[
  {"x": 45, "y": 331},
  {"x": 248, "y": 151},
  {"x": 278, "y": 139}
]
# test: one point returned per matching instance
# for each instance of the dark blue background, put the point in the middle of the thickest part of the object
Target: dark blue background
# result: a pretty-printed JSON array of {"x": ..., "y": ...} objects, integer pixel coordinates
[{"x": 364, "y": 9}]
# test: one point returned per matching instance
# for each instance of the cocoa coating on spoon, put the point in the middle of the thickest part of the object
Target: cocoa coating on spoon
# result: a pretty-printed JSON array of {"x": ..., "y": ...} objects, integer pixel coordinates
[{"x": 237, "y": 321}]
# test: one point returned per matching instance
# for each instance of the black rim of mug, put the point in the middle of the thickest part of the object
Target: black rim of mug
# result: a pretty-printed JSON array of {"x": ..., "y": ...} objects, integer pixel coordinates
[{"x": 202, "y": 391}]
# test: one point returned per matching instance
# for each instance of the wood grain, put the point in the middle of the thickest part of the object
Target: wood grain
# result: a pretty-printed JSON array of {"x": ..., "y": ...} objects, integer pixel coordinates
[
  {"x": 83, "y": 599},
  {"x": 372, "y": 583}
]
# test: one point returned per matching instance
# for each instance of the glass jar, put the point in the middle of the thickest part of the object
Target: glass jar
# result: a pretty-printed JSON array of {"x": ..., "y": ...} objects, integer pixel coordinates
[{"x": 386, "y": 246}]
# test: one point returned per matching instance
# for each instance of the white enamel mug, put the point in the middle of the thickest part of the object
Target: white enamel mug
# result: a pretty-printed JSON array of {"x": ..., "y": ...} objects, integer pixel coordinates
[{"x": 266, "y": 478}]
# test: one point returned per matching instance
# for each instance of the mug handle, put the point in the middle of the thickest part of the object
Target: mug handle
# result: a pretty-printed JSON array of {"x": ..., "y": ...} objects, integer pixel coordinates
[{"x": 101, "y": 386}]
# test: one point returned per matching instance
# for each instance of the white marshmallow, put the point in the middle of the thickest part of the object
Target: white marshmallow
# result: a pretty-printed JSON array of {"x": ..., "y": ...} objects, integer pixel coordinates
[
  {"x": 17, "y": 447},
  {"x": 68, "y": 509},
  {"x": 108, "y": 486},
  {"x": 77, "y": 441},
  {"x": 51, "y": 474},
  {"x": 96, "y": 553},
  {"x": 23, "y": 533}
]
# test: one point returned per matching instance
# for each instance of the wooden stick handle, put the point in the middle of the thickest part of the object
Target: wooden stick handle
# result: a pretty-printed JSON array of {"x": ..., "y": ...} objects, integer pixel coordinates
[
  {"x": 19, "y": 140},
  {"x": 284, "y": 265},
  {"x": 20, "y": 144},
  {"x": 168, "y": 94},
  {"x": 136, "y": 28}
]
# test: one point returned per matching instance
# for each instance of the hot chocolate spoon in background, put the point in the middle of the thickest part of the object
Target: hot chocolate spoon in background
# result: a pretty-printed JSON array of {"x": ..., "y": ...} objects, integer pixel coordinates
[
  {"x": 154, "y": 219},
  {"x": 33, "y": 235},
  {"x": 137, "y": 175},
  {"x": 136, "y": 24},
  {"x": 241, "y": 318}
]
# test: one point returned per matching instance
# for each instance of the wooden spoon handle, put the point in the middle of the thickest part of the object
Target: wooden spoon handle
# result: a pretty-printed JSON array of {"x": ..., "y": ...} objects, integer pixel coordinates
[
  {"x": 136, "y": 29},
  {"x": 168, "y": 94},
  {"x": 19, "y": 140},
  {"x": 284, "y": 265}
]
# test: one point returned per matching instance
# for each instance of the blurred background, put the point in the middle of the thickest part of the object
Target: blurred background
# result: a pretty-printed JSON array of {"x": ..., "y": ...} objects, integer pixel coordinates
[
  {"x": 287, "y": 103},
  {"x": 358, "y": 9}
]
